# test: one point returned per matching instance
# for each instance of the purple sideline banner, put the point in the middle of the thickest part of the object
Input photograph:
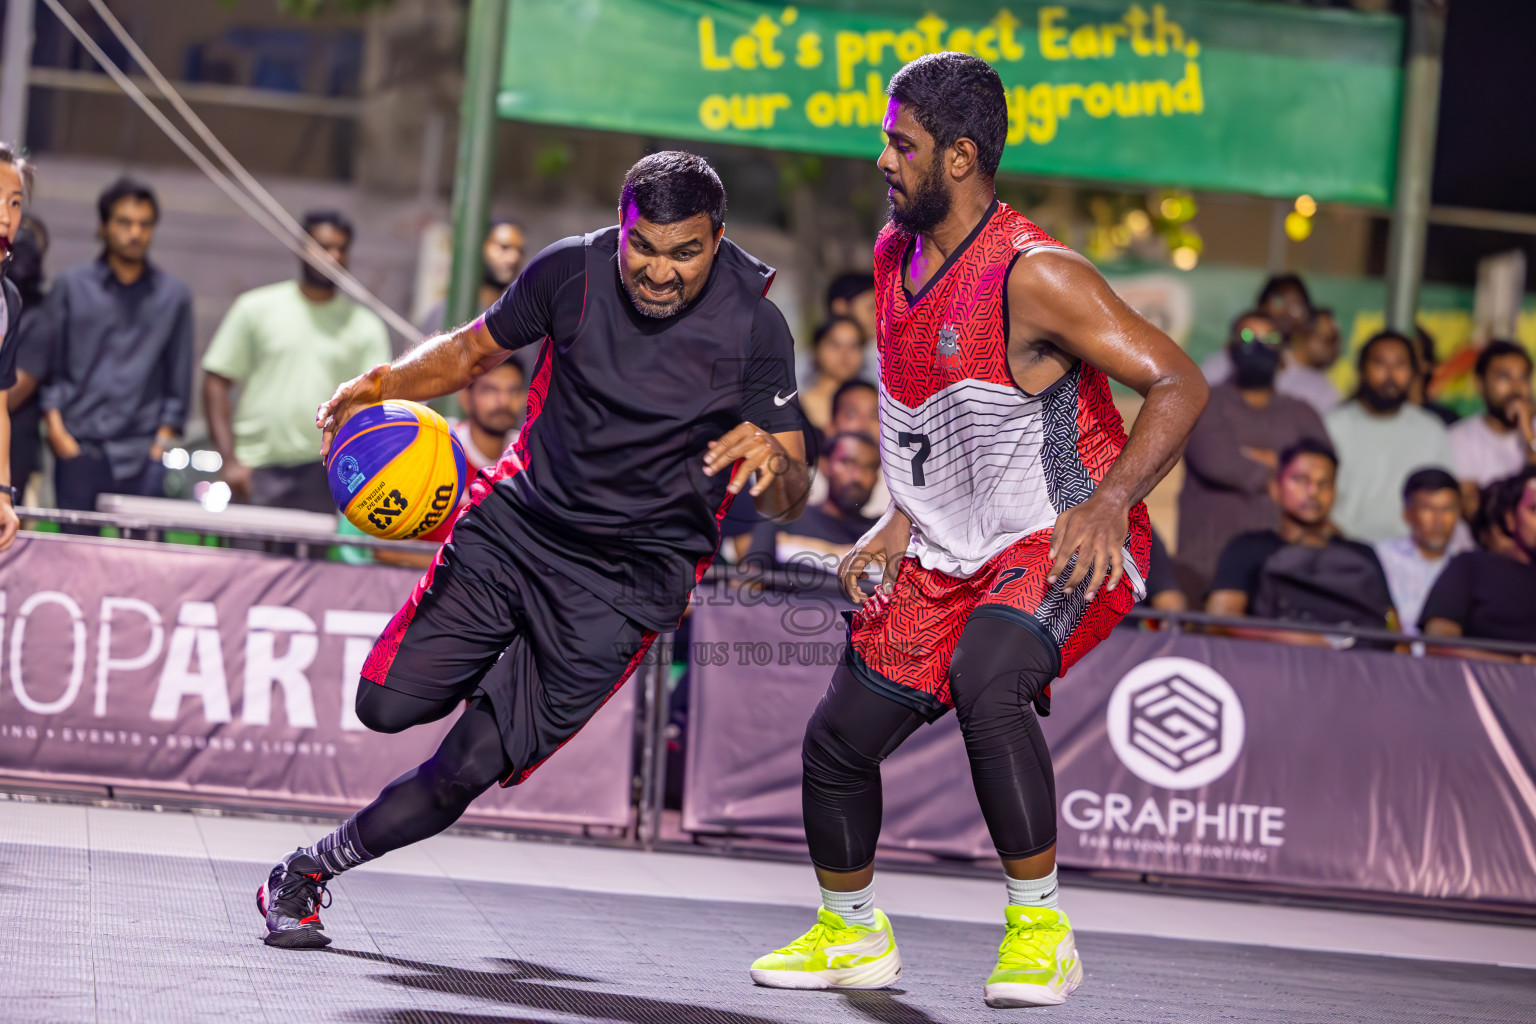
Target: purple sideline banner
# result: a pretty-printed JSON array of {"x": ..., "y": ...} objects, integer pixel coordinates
[
  {"x": 232, "y": 675},
  {"x": 1174, "y": 754}
]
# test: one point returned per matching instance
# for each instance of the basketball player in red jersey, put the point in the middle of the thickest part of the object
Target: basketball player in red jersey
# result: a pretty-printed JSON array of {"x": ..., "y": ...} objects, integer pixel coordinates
[{"x": 1016, "y": 537}]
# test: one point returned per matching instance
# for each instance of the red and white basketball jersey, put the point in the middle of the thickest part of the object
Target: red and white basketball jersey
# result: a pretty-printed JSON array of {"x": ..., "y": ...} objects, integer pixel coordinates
[{"x": 972, "y": 459}]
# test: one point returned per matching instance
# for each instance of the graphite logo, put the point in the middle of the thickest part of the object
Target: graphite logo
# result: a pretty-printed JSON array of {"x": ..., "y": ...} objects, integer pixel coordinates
[{"x": 1175, "y": 723}]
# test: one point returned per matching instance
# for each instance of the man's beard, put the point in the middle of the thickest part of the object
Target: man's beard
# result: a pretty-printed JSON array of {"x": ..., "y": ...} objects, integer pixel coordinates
[
  {"x": 1381, "y": 401},
  {"x": 495, "y": 424},
  {"x": 927, "y": 206},
  {"x": 1506, "y": 413},
  {"x": 315, "y": 279},
  {"x": 850, "y": 498},
  {"x": 490, "y": 279},
  {"x": 655, "y": 310}
]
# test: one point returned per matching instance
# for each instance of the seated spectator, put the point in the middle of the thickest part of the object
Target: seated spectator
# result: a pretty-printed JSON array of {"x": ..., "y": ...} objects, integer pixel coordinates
[
  {"x": 1305, "y": 570},
  {"x": 1381, "y": 438},
  {"x": 288, "y": 346},
  {"x": 1286, "y": 301},
  {"x": 825, "y": 532},
  {"x": 852, "y": 294},
  {"x": 855, "y": 410},
  {"x": 1502, "y": 441},
  {"x": 1487, "y": 594},
  {"x": 1495, "y": 503},
  {"x": 1420, "y": 392},
  {"x": 1234, "y": 449},
  {"x": 1296, "y": 377},
  {"x": 494, "y": 405},
  {"x": 1431, "y": 508},
  {"x": 837, "y": 357}
]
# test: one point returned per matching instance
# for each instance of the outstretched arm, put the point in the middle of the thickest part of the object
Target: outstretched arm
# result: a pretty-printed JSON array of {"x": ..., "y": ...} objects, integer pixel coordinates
[
  {"x": 1059, "y": 302},
  {"x": 441, "y": 365}
]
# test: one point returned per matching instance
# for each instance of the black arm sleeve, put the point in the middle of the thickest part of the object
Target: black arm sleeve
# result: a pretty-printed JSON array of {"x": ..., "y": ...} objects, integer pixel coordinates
[
  {"x": 526, "y": 312},
  {"x": 768, "y": 380},
  {"x": 1451, "y": 596}
]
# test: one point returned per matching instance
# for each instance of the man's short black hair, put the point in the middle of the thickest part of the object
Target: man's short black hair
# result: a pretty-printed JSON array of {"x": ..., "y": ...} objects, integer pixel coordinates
[
  {"x": 956, "y": 96},
  {"x": 1432, "y": 479},
  {"x": 847, "y": 387},
  {"x": 125, "y": 188},
  {"x": 1382, "y": 337},
  {"x": 1248, "y": 314},
  {"x": 335, "y": 218},
  {"x": 503, "y": 221},
  {"x": 1494, "y": 350},
  {"x": 848, "y": 286},
  {"x": 1282, "y": 282},
  {"x": 1307, "y": 446},
  {"x": 671, "y": 186}
]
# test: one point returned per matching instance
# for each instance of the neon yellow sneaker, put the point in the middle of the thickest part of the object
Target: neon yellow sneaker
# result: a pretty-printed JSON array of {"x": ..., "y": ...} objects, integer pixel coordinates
[
  {"x": 834, "y": 955},
  {"x": 1037, "y": 964}
]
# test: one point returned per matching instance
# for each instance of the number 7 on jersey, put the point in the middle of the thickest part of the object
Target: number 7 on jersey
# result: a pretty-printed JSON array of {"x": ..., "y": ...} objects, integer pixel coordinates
[{"x": 906, "y": 440}]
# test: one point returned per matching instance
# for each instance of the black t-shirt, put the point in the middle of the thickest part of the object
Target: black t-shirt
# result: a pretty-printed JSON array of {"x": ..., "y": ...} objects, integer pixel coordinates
[
  {"x": 1242, "y": 560},
  {"x": 815, "y": 523},
  {"x": 1160, "y": 576},
  {"x": 621, "y": 409},
  {"x": 8, "y": 344},
  {"x": 1490, "y": 596}
]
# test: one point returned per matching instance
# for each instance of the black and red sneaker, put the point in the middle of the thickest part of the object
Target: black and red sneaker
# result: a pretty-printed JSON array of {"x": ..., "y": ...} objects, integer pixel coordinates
[{"x": 291, "y": 902}]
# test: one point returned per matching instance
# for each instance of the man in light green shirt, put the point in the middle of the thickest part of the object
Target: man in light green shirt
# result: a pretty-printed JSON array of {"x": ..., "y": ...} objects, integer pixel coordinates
[
  {"x": 1381, "y": 439},
  {"x": 288, "y": 346}
]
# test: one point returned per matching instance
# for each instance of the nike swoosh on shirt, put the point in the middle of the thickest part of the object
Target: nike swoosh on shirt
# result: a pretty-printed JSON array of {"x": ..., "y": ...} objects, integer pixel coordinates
[{"x": 781, "y": 401}]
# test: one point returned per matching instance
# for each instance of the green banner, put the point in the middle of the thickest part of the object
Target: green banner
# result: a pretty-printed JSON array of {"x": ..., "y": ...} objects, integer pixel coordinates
[{"x": 1256, "y": 98}]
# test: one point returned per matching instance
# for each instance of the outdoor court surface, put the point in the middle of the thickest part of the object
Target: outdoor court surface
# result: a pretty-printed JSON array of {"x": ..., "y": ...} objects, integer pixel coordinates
[{"x": 118, "y": 915}]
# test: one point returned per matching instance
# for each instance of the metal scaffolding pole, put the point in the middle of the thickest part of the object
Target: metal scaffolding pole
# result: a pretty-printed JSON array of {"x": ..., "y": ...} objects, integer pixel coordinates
[
  {"x": 13, "y": 80},
  {"x": 485, "y": 34},
  {"x": 1415, "y": 160}
]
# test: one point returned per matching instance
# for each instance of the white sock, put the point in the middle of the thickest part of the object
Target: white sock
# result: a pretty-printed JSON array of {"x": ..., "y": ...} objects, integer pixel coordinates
[
  {"x": 852, "y": 907},
  {"x": 1033, "y": 892}
]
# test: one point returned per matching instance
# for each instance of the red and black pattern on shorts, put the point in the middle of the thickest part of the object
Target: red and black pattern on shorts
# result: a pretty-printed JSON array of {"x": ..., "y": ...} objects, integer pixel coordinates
[
  {"x": 910, "y": 643},
  {"x": 379, "y": 661}
]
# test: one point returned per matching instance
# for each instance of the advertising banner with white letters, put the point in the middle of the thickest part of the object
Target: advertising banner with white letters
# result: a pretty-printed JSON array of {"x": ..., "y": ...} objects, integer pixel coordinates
[
  {"x": 1175, "y": 754},
  {"x": 232, "y": 675}
]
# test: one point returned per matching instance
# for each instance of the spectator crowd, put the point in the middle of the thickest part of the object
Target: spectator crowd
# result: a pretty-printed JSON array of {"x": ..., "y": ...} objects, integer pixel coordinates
[{"x": 1379, "y": 509}]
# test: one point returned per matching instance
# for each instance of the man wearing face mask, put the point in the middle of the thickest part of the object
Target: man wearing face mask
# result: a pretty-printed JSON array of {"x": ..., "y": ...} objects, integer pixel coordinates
[
  {"x": 1234, "y": 450},
  {"x": 1381, "y": 439}
]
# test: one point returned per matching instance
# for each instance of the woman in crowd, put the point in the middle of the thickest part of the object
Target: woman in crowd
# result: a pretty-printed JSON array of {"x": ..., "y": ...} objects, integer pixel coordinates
[{"x": 837, "y": 354}]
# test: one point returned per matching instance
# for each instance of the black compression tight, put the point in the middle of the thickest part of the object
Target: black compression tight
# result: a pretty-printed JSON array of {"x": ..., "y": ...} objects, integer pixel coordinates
[
  {"x": 994, "y": 676},
  {"x": 433, "y": 795}
]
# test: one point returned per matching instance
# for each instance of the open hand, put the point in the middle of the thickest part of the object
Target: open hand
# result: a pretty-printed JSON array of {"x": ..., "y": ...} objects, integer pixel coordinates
[
  {"x": 9, "y": 524},
  {"x": 1095, "y": 532},
  {"x": 754, "y": 450},
  {"x": 355, "y": 394}
]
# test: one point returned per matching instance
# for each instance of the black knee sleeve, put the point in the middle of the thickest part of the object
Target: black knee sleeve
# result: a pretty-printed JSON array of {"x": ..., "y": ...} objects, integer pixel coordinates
[
  {"x": 998, "y": 670},
  {"x": 384, "y": 710},
  {"x": 852, "y": 730}
]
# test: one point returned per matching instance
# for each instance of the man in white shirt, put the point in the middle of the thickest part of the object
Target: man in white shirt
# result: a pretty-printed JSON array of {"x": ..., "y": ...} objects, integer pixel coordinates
[
  {"x": 1381, "y": 438},
  {"x": 493, "y": 406},
  {"x": 1498, "y": 443},
  {"x": 1431, "y": 508}
]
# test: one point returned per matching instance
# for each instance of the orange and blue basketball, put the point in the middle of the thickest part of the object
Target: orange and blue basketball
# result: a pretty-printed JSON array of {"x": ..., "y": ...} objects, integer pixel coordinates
[{"x": 396, "y": 470}]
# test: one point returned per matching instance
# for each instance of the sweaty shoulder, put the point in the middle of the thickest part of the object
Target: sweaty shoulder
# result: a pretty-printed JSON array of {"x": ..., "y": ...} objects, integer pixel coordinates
[{"x": 529, "y": 310}]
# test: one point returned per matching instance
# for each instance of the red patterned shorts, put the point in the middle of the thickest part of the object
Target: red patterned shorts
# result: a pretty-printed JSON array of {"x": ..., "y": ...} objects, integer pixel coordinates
[{"x": 909, "y": 643}]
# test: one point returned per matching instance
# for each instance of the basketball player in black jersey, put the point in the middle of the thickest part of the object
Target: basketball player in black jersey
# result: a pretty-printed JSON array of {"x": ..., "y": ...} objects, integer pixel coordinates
[{"x": 664, "y": 381}]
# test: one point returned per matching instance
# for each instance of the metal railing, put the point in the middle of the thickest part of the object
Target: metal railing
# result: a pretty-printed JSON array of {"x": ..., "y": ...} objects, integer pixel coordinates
[{"x": 151, "y": 524}]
